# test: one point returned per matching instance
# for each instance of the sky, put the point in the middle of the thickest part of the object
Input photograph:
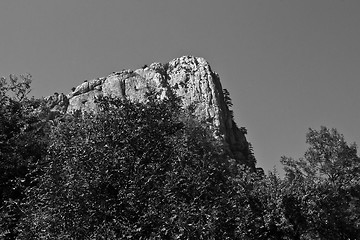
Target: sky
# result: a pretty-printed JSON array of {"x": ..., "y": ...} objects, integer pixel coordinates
[{"x": 288, "y": 65}]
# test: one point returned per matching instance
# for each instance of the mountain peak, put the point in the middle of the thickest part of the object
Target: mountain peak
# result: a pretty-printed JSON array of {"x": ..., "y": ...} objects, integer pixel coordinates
[{"x": 190, "y": 78}]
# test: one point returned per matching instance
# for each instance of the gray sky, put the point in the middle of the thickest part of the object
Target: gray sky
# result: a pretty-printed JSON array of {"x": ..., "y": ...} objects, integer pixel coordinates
[{"x": 288, "y": 65}]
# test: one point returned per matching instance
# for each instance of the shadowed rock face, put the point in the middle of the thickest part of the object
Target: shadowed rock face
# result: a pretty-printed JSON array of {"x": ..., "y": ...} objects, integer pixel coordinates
[{"x": 189, "y": 77}]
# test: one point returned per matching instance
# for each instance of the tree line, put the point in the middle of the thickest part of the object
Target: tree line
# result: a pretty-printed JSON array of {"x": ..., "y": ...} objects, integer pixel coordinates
[{"x": 152, "y": 171}]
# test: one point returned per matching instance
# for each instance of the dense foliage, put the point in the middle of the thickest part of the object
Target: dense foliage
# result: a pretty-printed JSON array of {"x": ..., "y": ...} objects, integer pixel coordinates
[
  {"x": 325, "y": 184},
  {"x": 22, "y": 142},
  {"x": 152, "y": 171}
]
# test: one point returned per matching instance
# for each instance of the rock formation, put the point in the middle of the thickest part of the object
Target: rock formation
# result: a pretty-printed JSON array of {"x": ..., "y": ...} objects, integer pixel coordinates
[{"x": 189, "y": 77}]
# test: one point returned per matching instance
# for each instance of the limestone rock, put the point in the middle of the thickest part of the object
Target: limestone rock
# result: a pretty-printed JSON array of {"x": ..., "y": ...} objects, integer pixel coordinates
[{"x": 190, "y": 77}]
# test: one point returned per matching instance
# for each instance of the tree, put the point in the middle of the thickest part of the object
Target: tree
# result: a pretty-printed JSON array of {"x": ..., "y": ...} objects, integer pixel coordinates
[
  {"x": 318, "y": 199},
  {"x": 268, "y": 208},
  {"x": 328, "y": 158},
  {"x": 326, "y": 183},
  {"x": 132, "y": 170},
  {"x": 22, "y": 142}
]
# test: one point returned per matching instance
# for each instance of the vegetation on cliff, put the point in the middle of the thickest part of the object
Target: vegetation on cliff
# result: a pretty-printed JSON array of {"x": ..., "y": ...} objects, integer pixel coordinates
[{"x": 150, "y": 170}]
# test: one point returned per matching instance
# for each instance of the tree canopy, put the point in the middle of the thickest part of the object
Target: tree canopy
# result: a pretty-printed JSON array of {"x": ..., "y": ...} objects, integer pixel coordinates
[
  {"x": 326, "y": 184},
  {"x": 150, "y": 170},
  {"x": 22, "y": 143}
]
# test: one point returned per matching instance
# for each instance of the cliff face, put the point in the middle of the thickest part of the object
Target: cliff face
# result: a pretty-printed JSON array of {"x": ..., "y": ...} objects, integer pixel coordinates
[{"x": 189, "y": 77}]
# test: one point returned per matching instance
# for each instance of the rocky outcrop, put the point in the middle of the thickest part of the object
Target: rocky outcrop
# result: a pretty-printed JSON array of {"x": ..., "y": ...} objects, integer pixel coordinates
[{"x": 189, "y": 77}]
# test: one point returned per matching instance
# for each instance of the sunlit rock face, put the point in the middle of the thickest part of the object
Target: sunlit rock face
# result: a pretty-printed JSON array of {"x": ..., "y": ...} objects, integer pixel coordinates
[{"x": 190, "y": 77}]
